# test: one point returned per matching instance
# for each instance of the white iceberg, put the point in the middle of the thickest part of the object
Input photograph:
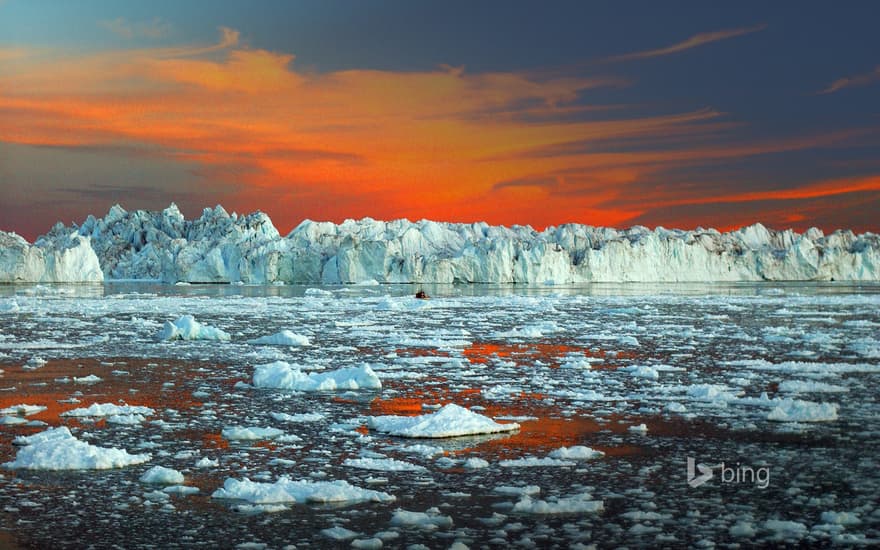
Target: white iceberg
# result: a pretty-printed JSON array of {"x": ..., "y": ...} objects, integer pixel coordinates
[
  {"x": 58, "y": 449},
  {"x": 187, "y": 328},
  {"x": 286, "y": 490},
  {"x": 280, "y": 375},
  {"x": 221, "y": 247},
  {"x": 450, "y": 421},
  {"x": 283, "y": 338}
]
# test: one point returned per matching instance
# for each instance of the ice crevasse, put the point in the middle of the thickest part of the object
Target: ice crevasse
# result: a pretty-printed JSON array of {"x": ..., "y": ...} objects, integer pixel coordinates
[{"x": 219, "y": 247}]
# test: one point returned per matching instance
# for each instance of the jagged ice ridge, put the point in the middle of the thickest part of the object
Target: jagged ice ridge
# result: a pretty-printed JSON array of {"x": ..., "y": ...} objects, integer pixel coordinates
[{"x": 227, "y": 248}]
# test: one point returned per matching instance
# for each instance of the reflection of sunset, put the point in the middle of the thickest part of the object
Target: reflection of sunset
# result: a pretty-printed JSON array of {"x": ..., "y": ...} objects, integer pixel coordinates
[{"x": 550, "y": 354}]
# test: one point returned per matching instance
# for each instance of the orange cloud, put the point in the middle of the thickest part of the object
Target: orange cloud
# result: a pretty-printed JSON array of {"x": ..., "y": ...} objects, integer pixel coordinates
[{"x": 299, "y": 144}]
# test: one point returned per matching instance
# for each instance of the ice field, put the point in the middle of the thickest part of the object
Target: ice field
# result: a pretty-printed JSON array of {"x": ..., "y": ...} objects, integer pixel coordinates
[{"x": 149, "y": 415}]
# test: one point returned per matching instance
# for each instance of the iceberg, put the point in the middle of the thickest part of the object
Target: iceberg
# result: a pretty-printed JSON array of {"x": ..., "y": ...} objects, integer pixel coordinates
[
  {"x": 187, "y": 328},
  {"x": 450, "y": 421},
  {"x": 280, "y": 375},
  {"x": 219, "y": 247},
  {"x": 58, "y": 449}
]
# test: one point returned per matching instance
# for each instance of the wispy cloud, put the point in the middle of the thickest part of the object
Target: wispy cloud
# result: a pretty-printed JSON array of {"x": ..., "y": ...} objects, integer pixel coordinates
[
  {"x": 853, "y": 81},
  {"x": 154, "y": 28},
  {"x": 692, "y": 42}
]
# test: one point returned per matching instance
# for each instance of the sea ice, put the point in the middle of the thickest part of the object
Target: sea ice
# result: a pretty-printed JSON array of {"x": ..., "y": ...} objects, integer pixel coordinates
[
  {"x": 250, "y": 433},
  {"x": 576, "y": 504},
  {"x": 286, "y": 490},
  {"x": 383, "y": 464},
  {"x": 578, "y": 452},
  {"x": 109, "y": 409},
  {"x": 187, "y": 328},
  {"x": 283, "y": 338},
  {"x": 280, "y": 375},
  {"x": 430, "y": 519},
  {"x": 58, "y": 449},
  {"x": 795, "y": 410},
  {"x": 161, "y": 475},
  {"x": 450, "y": 421}
]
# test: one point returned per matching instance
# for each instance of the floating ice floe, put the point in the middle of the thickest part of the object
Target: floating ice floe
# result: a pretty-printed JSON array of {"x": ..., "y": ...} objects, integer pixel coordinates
[
  {"x": 250, "y": 433},
  {"x": 280, "y": 375},
  {"x": 450, "y": 421},
  {"x": 283, "y": 338},
  {"x": 23, "y": 410},
  {"x": 301, "y": 417},
  {"x": 187, "y": 328},
  {"x": 810, "y": 386},
  {"x": 795, "y": 410},
  {"x": 285, "y": 490},
  {"x": 109, "y": 409},
  {"x": 576, "y": 504},
  {"x": 383, "y": 464},
  {"x": 578, "y": 452},
  {"x": 643, "y": 371},
  {"x": 160, "y": 475},
  {"x": 534, "y": 462},
  {"x": 429, "y": 520},
  {"x": 58, "y": 449}
]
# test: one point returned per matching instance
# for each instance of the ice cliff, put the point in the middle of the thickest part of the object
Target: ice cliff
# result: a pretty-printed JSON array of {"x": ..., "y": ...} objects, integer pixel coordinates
[{"x": 220, "y": 247}]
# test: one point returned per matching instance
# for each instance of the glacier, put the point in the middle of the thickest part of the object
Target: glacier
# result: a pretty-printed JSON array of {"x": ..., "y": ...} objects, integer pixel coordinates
[{"x": 219, "y": 247}]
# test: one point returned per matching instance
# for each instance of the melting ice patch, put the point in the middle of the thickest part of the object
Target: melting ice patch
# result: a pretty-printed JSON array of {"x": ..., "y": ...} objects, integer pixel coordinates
[
  {"x": 280, "y": 375},
  {"x": 109, "y": 409},
  {"x": 450, "y": 421},
  {"x": 576, "y": 504},
  {"x": 285, "y": 490},
  {"x": 187, "y": 328},
  {"x": 58, "y": 449}
]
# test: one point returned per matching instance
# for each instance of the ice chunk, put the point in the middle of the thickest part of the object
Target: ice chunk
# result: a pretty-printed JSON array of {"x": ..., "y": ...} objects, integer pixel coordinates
[
  {"x": 23, "y": 410},
  {"x": 795, "y": 410},
  {"x": 578, "y": 452},
  {"x": 810, "y": 386},
  {"x": 383, "y": 464},
  {"x": 576, "y": 504},
  {"x": 430, "y": 519},
  {"x": 283, "y": 338},
  {"x": 450, "y": 421},
  {"x": 187, "y": 328},
  {"x": 643, "y": 371},
  {"x": 109, "y": 409},
  {"x": 532, "y": 462},
  {"x": 250, "y": 433},
  {"x": 280, "y": 375},
  {"x": 287, "y": 490},
  {"x": 58, "y": 449},
  {"x": 161, "y": 475},
  {"x": 302, "y": 417}
]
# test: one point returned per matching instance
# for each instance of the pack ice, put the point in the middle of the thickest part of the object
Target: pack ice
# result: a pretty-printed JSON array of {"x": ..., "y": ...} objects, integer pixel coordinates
[{"x": 219, "y": 247}]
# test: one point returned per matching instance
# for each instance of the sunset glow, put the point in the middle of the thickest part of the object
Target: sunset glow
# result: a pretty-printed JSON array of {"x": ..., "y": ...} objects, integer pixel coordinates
[{"x": 253, "y": 126}]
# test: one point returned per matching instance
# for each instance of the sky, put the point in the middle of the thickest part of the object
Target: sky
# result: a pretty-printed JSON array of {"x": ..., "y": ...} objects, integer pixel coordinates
[{"x": 681, "y": 114}]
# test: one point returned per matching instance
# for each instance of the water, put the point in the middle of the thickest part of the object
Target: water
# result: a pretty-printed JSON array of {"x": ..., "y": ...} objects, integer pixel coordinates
[{"x": 560, "y": 361}]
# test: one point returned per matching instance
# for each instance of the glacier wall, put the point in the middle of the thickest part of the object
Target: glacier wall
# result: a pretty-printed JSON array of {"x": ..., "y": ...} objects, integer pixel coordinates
[{"x": 219, "y": 247}]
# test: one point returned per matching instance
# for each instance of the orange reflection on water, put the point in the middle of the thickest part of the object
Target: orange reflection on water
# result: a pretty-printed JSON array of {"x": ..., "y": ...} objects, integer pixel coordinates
[{"x": 549, "y": 353}]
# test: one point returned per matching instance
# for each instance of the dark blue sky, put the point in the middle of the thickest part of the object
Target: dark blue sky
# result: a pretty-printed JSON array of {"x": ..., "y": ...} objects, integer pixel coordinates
[{"x": 763, "y": 82}]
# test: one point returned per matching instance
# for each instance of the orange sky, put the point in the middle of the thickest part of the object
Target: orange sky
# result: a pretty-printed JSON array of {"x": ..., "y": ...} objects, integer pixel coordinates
[{"x": 447, "y": 144}]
